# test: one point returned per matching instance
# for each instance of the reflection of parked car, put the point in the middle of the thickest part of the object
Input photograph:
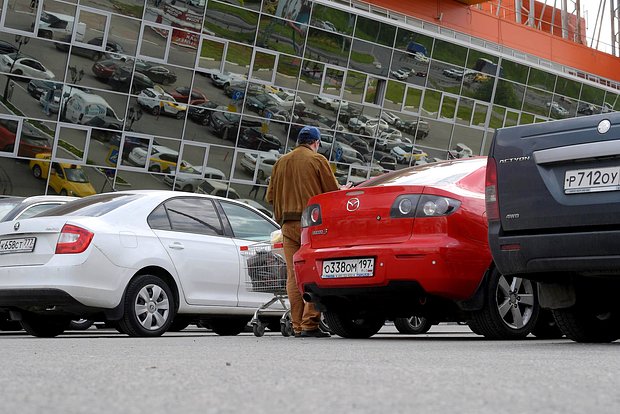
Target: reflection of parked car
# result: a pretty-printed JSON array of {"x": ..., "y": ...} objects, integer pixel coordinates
[
  {"x": 253, "y": 138},
  {"x": 6, "y": 48},
  {"x": 557, "y": 111},
  {"x": 185, "y": 95},
  {"x": 217, "y": 188},
  {"x": 158, "y": 74},
  {"x": 121, "y": 80},
  {"x": 104, "y": 69},
  {"x": 433, "y": 249},
  {"x": 19, "y": 208},
  {"x": 202, "y": 113},
  {"x": 38, "y": 87},
  {"x": 586, "y": 109},
  {"x": 420, "y": 128},
  {"x": 32, "y": 141},
  {"x": 259, "y": 103},
  {"x": 24, "y": 65},
  {"x": 265, "y": 164},
  {"x": 223, "y": 79},
  {"x": 66, "y": 179},
  {"x": 400, "y": 74},
  {"x": 113, "y": 50},
  {"x": 191, "y": 177},
  {"x": 287, "y": 100},
  {"x": 147, "y": 286},
  {"x": 460, "y": 150},
  {"x": 162, "y": 159},
  {"x": 225, "y": 124},
  {"x": 157, "y": 102}
]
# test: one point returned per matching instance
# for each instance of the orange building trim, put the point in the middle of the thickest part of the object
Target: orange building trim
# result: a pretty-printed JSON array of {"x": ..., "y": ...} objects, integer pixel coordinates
[{"x": 479, "y": 23}]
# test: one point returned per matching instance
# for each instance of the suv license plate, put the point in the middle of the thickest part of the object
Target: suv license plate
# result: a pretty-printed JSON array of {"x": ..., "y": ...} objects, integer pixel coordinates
[
  {"x": 592, "y": 180},
  {"x": 22, "y": 245},
  {"x": 362, "y": 267}
]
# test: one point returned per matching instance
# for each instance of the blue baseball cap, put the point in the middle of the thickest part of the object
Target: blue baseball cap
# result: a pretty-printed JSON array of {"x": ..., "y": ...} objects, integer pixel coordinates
[{"x": 308, "y": 135}]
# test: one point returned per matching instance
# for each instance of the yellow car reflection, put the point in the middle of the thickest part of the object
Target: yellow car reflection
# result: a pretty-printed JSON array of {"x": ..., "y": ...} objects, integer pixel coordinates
[{"x": 66, "y": 179}]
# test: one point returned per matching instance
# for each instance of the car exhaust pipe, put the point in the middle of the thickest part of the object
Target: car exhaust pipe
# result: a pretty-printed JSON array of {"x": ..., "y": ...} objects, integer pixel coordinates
[{"x": 309, "y": 297}]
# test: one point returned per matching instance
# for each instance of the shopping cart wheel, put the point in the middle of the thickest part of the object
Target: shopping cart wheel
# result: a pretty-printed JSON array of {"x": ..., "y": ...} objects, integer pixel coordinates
[
  {"x": 258, "y": 328},
  {"x": 286, "y": 327}
]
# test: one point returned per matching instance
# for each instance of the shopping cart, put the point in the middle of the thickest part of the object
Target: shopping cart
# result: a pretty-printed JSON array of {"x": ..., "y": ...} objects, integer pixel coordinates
[{"x": 266, "y": 273}]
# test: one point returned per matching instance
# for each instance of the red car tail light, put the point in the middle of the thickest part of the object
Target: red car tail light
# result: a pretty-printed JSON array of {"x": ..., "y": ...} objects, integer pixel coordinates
[
  {"x": 490, "y": 190},
  {"x": 425, "y": 205},
  {"x": 311, "y": 216},
  {"x": 73, "y": 239}
]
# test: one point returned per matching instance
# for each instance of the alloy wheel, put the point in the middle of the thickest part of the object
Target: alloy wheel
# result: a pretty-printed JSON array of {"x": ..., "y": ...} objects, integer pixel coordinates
[{"x": 515, "y": 301}]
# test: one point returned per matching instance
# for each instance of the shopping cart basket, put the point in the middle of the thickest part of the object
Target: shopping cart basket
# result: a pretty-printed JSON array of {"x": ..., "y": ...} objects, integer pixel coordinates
[{"x": 266, "y": 273}]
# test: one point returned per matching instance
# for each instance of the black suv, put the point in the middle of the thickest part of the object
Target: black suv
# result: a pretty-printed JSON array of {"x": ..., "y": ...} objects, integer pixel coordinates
[{"x": 553, "y": 206}]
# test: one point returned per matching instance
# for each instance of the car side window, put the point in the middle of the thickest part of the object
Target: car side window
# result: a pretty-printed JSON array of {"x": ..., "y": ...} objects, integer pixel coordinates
[
  {"x": 246, "y": 224},
  {"x": 187, "y": 215}
]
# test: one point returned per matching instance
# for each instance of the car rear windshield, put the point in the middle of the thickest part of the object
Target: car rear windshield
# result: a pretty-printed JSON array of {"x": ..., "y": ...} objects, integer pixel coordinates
[
  {"x": 442, "y": 173},
  {"x": 7, "y": 205},
  {"x": 93, "y": 206}
]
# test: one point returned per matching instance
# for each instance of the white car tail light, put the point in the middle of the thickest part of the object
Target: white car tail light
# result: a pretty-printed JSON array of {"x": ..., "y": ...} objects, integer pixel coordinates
[{"x": 73, "y": 239}]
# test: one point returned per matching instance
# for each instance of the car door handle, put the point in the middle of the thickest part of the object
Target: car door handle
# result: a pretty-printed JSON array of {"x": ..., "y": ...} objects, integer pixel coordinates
[{"x": 176, "y": 246}]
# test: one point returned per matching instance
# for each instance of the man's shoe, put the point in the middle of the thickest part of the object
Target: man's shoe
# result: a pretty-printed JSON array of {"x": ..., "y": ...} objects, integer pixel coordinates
[{"x": 315, "y": 333}]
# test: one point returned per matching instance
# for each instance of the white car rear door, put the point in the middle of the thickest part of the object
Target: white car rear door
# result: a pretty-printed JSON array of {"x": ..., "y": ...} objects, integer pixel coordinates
[{"x": 206, "y": 260}]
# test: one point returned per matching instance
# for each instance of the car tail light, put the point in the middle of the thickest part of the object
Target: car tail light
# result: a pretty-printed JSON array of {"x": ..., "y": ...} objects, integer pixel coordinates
[
  {"x": 490, "y": 191},
  {"x": 311, "y": 216},
  {"x": 73, "y": 239},
  {"x": 423, "y": 205}
]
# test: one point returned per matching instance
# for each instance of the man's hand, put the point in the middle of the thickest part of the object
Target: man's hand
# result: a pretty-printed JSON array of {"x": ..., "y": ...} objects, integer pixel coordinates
[{"x": 346, "y": 186}]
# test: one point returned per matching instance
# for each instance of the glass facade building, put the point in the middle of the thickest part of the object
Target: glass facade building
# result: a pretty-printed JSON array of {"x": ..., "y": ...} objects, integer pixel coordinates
[{"x": 203, "y": 95}]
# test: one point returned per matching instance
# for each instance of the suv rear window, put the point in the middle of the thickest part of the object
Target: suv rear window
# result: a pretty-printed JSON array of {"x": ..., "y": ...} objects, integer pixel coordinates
[{"x": 93, "y": 206}]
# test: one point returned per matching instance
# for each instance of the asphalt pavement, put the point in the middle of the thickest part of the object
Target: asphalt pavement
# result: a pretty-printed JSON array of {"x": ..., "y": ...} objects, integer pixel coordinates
[{"x": 447, "y": 370}]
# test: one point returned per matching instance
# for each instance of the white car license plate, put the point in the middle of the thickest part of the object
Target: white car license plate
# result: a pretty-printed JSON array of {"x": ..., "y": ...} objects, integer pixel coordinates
[
  {"x": 362, "y": 267},
  {"x": 22, "y": 245},
  {"x": 592, "y": 180}
]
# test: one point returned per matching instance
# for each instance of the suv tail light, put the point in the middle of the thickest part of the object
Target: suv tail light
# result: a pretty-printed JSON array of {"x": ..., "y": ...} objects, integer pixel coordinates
[
  {"x": 311, "y": 216},
  {"x": 490, "y": 190},
  {"x": 425, "y": 205},
  {"x": 73, "y": 239}
]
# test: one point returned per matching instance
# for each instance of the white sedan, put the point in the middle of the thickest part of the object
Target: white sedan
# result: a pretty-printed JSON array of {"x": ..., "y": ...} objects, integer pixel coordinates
[
  {"x": 139, "y": 259},
  {"x": 24, "y": 65}
]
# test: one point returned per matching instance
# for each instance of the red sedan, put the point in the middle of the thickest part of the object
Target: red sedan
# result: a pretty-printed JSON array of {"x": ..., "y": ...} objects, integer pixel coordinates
[
  {"x": 32, "y": 141},
  {"x": 411, "y": 242}
]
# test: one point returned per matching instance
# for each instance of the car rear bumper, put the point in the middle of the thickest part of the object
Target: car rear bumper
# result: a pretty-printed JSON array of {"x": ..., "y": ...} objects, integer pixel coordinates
[
  {"x": 543, "y": 256},
  {"x": 93, "y": 283},
  {"x": 439, "y": 266}
]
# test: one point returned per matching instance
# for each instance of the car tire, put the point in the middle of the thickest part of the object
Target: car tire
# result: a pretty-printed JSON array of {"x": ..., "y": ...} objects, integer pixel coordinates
[
  {"x": 582, "y": 323},
  {"x": 80, "y": 324},
  {"x": 180, "y": 115},
  {"x": 155, "y": 168},
  {"x": 155, "y": 110},
  {"x": 228, "y": 326},
  {"x": 9, "y": 325},
  {"x": 44, "y": 326},
  {"x": 204, "y": 121},
  {"x": 510, "y": 307},
  {"x": 415, "y": 325},
  {"x": 149, "y": 307},
  {"x": 546, "y": 327},
  {"x": 347, "y": 326},
  {"x": 36, "y": 171}
]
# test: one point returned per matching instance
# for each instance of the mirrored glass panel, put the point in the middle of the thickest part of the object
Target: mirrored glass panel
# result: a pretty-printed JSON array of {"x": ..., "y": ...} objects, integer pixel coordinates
[
  {"x": 328, "y": 47},
  {"x": 465, "y": 111},
  {"x": 288, "y": 70},
  {"x": 450, "y": 53},
  {"x": 409, "y": 69},
  {"x": 418, "y": 46},
  {"x": 370, "y": 58},
  {"x": 311, "y": 77},
  {"x": 130, "y": 9},
  {"x": 20, "y": 16},
  {"x": 466, "y": 142},
  {"x": 263, "y": 68},
  {"x": 230, "y": 22},
  {"x": 375, "y": 31},
  {"x": 186, "y": 15},
  {"x": 333, "y": 20},
  {"x": 514, "y": 71},
  {"x": 413, "y": 98},
  {"x": 445, "y": 77},
  {"x": 279, "y": 35},
  {"x": 509, "y": 94},
  {"x": 541, "y": 80},
  {"x": 537, "y": 101},
  {"x": 394, "y": 95}
]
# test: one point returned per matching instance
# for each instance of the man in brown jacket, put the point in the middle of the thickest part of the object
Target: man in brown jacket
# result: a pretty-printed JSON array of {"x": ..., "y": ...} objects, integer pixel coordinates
[{"x": 296, "y": 177}]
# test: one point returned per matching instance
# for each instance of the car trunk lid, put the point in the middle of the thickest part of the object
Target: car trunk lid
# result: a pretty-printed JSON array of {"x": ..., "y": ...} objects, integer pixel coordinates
[
  {"x": 29, "y": 242},
  {"x": 360, "y": 217}
]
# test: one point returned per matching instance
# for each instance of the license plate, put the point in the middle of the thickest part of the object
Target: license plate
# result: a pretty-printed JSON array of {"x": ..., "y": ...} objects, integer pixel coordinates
[
  {"x": 592, "y": 180},
  {"x": 22, "y": 245},
  {"x": 362, "y": 267}
]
